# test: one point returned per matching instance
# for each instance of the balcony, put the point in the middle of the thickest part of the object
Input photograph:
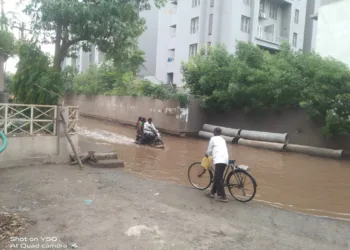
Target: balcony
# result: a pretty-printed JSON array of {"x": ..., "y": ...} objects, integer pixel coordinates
[
  {"x": 270, "y": 37},
  {"x": 269, "y": 34}
]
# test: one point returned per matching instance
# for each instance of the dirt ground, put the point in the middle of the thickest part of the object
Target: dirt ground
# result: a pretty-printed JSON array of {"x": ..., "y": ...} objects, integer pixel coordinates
[{"x": 130, "y": 212}]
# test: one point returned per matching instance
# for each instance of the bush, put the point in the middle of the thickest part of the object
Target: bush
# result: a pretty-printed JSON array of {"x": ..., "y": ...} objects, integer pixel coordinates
[
  {"x": 35, "y": 81},
  {"x": 255, "y": 80},
  {"x": 106, "y": 80}
]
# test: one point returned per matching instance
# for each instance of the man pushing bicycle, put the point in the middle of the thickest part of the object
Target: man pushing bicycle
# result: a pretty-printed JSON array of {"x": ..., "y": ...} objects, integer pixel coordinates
[{"x": 218, "y": 149}]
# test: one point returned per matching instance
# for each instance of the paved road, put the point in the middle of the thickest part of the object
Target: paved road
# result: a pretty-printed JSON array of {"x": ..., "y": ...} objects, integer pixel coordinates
[{"x": 130, "y": 212}]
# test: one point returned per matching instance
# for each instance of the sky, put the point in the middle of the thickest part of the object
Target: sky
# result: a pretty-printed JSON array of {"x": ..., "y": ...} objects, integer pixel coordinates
[{"x": 13, "y": 6}]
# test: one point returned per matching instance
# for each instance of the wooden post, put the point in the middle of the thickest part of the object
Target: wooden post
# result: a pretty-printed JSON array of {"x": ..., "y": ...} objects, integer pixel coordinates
[
  {"x": 31, "y": 119},
  {"x": 70, "y": 140}
]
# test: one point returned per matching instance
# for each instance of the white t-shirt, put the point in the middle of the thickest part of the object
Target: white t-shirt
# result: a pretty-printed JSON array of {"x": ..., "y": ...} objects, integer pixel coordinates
[
  {"x": 218, "y": 149},
  {"x": 149, "y": 128}
]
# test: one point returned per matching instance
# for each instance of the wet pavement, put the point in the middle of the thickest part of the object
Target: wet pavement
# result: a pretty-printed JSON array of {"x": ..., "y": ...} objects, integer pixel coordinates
[{"x": 290, "y": 181}]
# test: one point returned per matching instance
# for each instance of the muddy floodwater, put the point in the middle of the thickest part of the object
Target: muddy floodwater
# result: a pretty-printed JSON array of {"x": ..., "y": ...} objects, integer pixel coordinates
[{"x": 290, "y": 181}]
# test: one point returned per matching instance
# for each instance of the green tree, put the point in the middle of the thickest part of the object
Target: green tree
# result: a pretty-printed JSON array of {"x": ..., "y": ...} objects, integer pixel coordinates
[
  {"x": 9, "y": 82},
  {"x": 255, "y": 80},
  {"x": 112, "y": 25},
  {"x": 212, "y": 86},
  {"x": 35, "y": 81},
  {"x": 7, "y": 40},
  {"x": 7, "y": 43}
]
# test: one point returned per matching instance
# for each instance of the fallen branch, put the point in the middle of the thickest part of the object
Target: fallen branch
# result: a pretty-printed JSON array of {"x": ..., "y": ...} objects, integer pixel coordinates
[
  {"x": 92, "y": 157},
  {"x": 70, "y": 140},
  {"x": 84, "y": 158}
]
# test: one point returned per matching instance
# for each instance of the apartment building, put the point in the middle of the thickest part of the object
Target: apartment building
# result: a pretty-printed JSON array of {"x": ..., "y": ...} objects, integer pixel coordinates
[
  {"x": 147, "y": 43},
  {"x": 311, "y": 25},
  {"x": 84, "y": 59},
  {"x": 187, "y": 25},
  {"x": 333, "y": 33}
]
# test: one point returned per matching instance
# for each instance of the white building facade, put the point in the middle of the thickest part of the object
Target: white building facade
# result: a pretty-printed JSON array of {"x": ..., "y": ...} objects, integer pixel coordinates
[
  {"x": 187, "y": 25},
  {"x": 147, "y": 43},
  {"x": 84, "y": 60},
  {"x": 333, "y": 32},
  {"x": 311, "y": 25}
]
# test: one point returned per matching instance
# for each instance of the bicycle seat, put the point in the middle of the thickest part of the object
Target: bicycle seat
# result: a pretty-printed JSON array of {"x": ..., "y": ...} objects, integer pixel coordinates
[{"x": 231, "y": 162}]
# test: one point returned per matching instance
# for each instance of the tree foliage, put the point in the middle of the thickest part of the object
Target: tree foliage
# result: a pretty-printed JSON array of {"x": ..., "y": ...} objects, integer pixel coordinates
[
  {"x": 112, "y": 25},
  {"x": 256, "y": 80},
  {"x": 35, "y": 81},
  {"x": 9, "y": 82},
  {"x": 107, "y": 80},
  {"x": 7, "y": 43}
]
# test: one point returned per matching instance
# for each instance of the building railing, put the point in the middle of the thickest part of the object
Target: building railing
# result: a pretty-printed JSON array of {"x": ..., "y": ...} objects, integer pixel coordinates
[
  {"x": 270, "y": 37},
  {"x": 33, "y": 120}
]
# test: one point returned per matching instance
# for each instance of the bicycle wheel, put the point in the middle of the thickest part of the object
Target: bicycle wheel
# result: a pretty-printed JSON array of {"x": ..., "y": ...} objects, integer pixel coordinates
[
  {"x": 199, "y": 177},
  {"x": 241, "y": 181}
]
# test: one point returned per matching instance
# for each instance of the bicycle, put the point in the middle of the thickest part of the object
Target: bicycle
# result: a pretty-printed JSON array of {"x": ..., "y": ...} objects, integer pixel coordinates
[{"x": 240, "y": 174}]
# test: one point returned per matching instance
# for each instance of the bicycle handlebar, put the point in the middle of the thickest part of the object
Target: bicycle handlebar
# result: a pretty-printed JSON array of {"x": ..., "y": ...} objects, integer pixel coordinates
[{"x": 4, "y": 141}]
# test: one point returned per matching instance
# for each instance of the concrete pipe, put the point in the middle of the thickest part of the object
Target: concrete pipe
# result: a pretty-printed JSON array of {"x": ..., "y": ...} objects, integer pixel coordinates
[
  {"x": 262, "y": 144},
  {"x": 208, "y": 135},
  {"x": 232, "y": 132},
  {"x": 322, "y": 152},
  {"x": 264, "y": 136}
]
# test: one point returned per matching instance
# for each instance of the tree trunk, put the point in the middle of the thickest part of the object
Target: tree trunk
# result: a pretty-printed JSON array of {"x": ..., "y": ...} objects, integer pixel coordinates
[{"x": 57, "y": 59}]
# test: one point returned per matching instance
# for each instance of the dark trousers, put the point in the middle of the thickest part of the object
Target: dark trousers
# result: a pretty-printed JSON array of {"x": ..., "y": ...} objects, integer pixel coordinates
[{"x": 218, "y": 186}]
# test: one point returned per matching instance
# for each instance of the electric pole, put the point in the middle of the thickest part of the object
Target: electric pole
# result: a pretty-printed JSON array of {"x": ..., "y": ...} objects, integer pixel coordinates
[{"x": 21, "y": 29}]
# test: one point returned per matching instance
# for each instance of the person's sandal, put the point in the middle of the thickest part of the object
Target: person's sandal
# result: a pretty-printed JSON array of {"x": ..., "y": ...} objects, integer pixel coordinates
[
  {"x": 221, "y": 199},
  {"x": 210, "y": 195}
]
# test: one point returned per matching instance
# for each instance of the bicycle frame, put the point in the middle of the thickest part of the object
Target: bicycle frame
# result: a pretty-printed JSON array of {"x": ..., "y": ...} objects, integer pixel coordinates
[
  {"x": 232, "y": 165},
  {"x": 227, "y": 168}
]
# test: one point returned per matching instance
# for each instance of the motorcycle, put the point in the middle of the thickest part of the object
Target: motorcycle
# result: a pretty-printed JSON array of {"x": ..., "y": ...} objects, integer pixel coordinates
[{"x": 156, "y": 141}]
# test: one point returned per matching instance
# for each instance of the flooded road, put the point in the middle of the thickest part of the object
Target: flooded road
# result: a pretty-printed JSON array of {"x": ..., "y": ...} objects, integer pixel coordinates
[{"x": 290, "y": 181}]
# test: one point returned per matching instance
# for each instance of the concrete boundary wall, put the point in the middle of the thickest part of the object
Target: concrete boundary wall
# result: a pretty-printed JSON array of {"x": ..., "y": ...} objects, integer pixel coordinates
[
  {"x": 168, "y": 116},
  {"x": 36, "y": 150},
  {"x": 25, "y": 149}
]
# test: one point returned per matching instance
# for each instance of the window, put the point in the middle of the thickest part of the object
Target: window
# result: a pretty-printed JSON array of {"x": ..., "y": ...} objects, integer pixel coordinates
[
  {"x": 209, "y": 44},
  {"x": 273, "y": 12},
  {"x": 212, "y": 3},
  {"x": 193, "y": 50},
  {"x": 195, "y": 3},
  {"x": 210, "y": 24},
  {"x": 170, "y": 78},
  {"x": 262, "y": 6},
  {"x": 245, "y": 24},
  {"x": 296, "y": 16},
  {"x": 246, "y": 2},
  {"x": 295, "y": 39},
  {"x": 194, "y": 25}
]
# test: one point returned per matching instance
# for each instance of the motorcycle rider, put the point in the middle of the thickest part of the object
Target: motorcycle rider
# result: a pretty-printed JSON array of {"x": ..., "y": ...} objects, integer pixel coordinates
[
  {"x": 138, "y": 126},
  {"x": 149, "y": 131}
]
